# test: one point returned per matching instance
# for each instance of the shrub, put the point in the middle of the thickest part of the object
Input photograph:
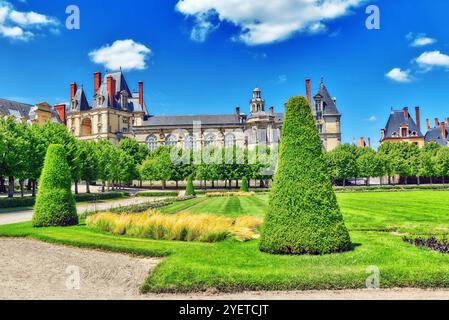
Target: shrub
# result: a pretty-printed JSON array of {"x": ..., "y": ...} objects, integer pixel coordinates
[
  {"x": 180, "y": 227},
  {"x": 157, "y": 194},
  {"x": 244, "y": 187},
  {"x": 303, "y": 215},
  {"x": 84, "y": 197},
  {"x": 190, "y": 190},
  {"x": 55, "y": 204},
  {"x": 230, "y": 194}
]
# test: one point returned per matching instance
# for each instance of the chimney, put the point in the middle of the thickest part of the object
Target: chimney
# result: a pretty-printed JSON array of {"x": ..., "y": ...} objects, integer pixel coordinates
[
  {"x": 448, "y": 122},
  {"x": 369, "y": 142},
  {"x": 443, "y": 130},
  {"x": 382, "y": 135},
  {"x": 271, "y": 110},
  {"x": 237, "y": 110},
  {"x": 437, "y": 123},
  {"x": 60, "y": 109},
  {"x": 427, "y": 125},
  {"x": 362, "y": 142},
  {"x": 406, "y": 114},
  {"x": 309, "y": 91},
  {"x": 97, "y": 82},
  {"x": 418, "y": 118},
  {"x": 141, "y": 93},
  {"x": 111, "y": 90},
  {"x": 73, "y": 88}
]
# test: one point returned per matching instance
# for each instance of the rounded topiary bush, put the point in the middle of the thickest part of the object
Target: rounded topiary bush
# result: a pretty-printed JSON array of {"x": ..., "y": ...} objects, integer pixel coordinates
[
  {"x": 244, "y": 187},
  {"x": 190, "y": 190},
  {"x": 55, "y": 204},
  {"x": 304, "y": 216}
]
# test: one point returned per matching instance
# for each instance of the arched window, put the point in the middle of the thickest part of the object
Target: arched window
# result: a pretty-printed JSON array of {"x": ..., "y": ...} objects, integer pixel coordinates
[
  {"x": 151, "y": 143},
  {"x": 229, "y": 140},
  {"x": 170, "y": 140},
  {"x": 209, "y": 140},
  {"x": 190, "y": 142}
]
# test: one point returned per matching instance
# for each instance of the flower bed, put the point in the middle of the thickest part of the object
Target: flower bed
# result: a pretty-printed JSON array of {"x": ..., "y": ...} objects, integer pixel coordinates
[{"x": 433, "y": 243}]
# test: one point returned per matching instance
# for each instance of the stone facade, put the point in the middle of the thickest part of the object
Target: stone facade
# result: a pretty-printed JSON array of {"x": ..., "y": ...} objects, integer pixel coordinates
[{"x": 117, "y": 113}]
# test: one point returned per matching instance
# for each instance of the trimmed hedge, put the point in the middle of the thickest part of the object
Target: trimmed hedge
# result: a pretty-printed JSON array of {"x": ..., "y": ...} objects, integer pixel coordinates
[
  {"x": 55, "y": 204},
  {"x": 85, "y": 197},
  {"x": 244, "y": 187},
  {"x": 190, "y": 190},
  {"x": 303, "y": 216},
  {"x": 157, "y": 194}
]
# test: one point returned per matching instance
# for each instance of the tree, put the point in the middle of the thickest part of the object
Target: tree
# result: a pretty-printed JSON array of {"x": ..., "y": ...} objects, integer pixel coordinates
[
  {"x": 88, "y": 161},
  {"x": 104, "y": 154},
  {"x": 244, "y": 187},
  {"x": 303, "y": 216},
  {"x": 342, "y": 163},
  {"x": 426, "y": 164},
  {"x": 366, "y": 164},
  {"x": 190, "y": 190},
  {"x": 441, "y": 161},
  {"x": 55, "y": 204}
]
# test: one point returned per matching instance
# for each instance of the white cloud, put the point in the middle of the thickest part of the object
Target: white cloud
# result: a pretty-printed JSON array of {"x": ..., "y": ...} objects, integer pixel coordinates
[
  {"x": 420, "y": 40},
  {"x": 203, "y": 27},
  {"x": 430, "y": 59},
  {"x": 22, "y": 26},
  {"x": 282, "y": 79},
  {"x": 399, "y": 75},
  {"x": 263, "y": 22},
  {"x": 372, "y": 119},
  {"x": 125, "y": 54}
]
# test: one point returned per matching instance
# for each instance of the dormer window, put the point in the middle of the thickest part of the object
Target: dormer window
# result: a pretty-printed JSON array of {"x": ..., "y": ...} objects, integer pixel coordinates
[
  {"x": 404, "y": 132},
  {"x": 124, "y": 100},
  {"x": 100, "y": 100},
  {"x": 394, "y": 134}
]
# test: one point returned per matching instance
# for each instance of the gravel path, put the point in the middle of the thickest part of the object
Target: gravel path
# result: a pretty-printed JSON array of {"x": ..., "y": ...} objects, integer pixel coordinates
[
  {"x": 23, "y": 216},
  {"x": 36, "y": 270}
]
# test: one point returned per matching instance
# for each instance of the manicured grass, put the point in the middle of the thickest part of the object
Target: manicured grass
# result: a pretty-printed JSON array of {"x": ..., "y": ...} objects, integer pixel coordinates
[{"x": 231, "y": 265}]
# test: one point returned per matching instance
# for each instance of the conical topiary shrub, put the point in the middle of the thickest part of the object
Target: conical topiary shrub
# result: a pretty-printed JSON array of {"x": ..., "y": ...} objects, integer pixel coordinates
[
  {"x": 304, "y": 216},
  {"x": 244, "y": 187},
  {"x": 190, "y": 190},
  {"x": 55, "y": 205}
]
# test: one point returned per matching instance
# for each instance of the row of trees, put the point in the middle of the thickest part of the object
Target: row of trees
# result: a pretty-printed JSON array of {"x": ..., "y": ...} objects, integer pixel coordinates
[
  {"x": 390, "y": 160},
  {"x": 23, "y": 148}
]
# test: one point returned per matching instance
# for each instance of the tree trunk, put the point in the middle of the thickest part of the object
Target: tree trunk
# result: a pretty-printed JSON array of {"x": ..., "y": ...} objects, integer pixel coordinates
[
  {"x": 33, "y": 187},
  {"x": 29, "y": 184},
  {"x": 11, "y": 187},
  {"x": 2, "y": 185},
  {"x": 380, "y": 181},
  {"x": 419, "y": 180},
  {"x": 102, "y": 186},
  {"x": 368, "y": 181},
  {"x": 163, "y": 184},
  {"x": 177, "y": 184},
  {"x": 87, "y": 187},
  {"x": 213, "y": 184},
  {"x": 236, "y": 183},
  {"x": 444, "y": 180},
  {"x": 344, "y": 183},
  {"x": 21, "y": 183},
  {"x": 431, "y": 180}
]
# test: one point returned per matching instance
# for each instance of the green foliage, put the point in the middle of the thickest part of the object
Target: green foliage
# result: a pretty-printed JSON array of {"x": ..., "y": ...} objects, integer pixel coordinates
[
  {"x": 244, "y": 187},
  {"x": 190, "y": 190},
  {"x": 55, "y": 205},
  {"x": 303, "y": 216},
  {"x": 342, "y": 162}
]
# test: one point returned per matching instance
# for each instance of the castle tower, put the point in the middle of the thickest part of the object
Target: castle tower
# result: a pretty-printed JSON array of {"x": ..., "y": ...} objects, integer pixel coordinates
[{"x": 257, "y": 104}]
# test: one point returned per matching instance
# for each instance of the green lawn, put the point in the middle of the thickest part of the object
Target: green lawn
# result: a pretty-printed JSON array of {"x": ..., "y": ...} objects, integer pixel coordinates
[{"x": 231, "y": 265}]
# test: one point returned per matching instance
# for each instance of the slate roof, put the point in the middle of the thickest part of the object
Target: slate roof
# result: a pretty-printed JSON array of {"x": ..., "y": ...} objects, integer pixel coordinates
[
  {"x": 435, "y": 135},
  {"x": 81, "y": 101},
  {"x": 16, "y": 109},
  {"x": 396, "y": 120},
  {"x": 22, "y": 110},
  {"x": 330, "y": 108}
]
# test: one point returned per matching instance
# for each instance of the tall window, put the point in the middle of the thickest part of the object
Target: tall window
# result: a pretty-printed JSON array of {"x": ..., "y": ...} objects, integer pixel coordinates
[
  {"x": 170, "y": 140},
  {"x": 229, "y": 140},
  {"x": 404, "y": 132},
  {"x": 190, "y": 142},
  {"x": 209, "y": 140},
  {"x": 152, "y": 143}
]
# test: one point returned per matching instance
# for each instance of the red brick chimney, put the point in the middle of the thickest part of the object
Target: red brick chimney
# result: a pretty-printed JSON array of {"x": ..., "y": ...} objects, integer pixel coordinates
[
  {"x": 141, "y": 93},
  {"x": 443, "y": 130},
  {"x": 237, "y": 110},
  {"x": 406, "y": 114},
  {"x": 60, "y": 109},
  {"x": 362, "y": 142},
  {"x": 271, "y": 110},
  {"x": 73, "y": 88},
  {"x": 111, "y": 90},
  {"x": 418, "y": 118},
  {"x": 427, "y": 125},
  {"x": 448, "y": 122},
  {"x": 437, "y": 123},
  {"x": 309, "y": 91},
  {"x": 97, "y": 82}
]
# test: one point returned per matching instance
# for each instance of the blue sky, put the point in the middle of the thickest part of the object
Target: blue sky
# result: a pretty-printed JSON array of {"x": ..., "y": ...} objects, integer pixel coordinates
[{"x": 206, "y": 56}]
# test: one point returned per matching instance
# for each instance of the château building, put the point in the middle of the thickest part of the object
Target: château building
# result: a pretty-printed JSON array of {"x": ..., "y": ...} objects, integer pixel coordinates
[{"x": 115, "y": 112}]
